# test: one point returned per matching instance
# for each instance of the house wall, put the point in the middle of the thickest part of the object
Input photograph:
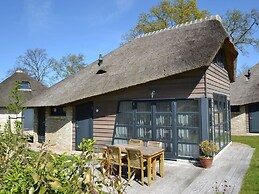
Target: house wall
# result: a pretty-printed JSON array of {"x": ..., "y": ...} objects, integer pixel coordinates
[
  {"x": 4, "y": 116},
  {"x": 239, "y": 121},
  {"x": 186, "y": 85},
  {"x": 217, "y": 81}
]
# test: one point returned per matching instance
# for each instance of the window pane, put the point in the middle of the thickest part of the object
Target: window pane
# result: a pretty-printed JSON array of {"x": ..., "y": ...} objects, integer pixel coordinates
[
  {"x": 163, "y": 107},
  {"x": 189, "y": 135},
  {"x": 144, "y": 106},
  {"x": 125, "y": 132},
  {"x": 28, "y": 122},
  {"x": 188, "y": 150},
  {"x": 188, "y": 120},
  {"x": 168, "y": 147},
  {"x": 187, "y": 106},
  {"x": 125, "y": 106},
  {"x": 24, "y": 86},
  {"x": 124, "y": 118},
  {"x": 164, "y": 134},
  {"x": 143, "y": 119},
  {"x": 120, "y": 141},
  {"x": 216, "y": 108},
  {"x": 163, "y": 120},
  {"x": 144, "y": 132}
]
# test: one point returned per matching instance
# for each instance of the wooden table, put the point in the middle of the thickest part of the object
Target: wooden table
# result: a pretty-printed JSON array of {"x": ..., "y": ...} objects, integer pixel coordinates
[{"x": 149, "y": 153}]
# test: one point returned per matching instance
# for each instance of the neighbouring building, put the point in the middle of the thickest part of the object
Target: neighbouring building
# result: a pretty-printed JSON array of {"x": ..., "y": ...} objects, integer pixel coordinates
[
  {"x": 245, "y": 102},
  {"x": 171, "y": 85},
  {"x": 29, "y": 87}
]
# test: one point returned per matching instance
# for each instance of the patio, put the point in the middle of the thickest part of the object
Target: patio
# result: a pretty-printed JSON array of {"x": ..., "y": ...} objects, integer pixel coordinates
[{"x": 184, "y": 177}]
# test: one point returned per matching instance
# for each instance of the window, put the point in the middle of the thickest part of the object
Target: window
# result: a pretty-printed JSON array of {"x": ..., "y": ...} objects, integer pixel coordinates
[
  {"x": 235, "y": 108},
  {"x": 24, "y": 85},
  {"x": 58, "y": 111},
  {"x": 220, "y": 58}
]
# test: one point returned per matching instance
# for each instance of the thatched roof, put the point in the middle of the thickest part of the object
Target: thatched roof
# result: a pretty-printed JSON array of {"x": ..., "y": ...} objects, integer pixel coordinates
[
  {"x": 245, "y": 91},
  {"x": 8, "y": 84},
  {"x": 150, "y": 57}
]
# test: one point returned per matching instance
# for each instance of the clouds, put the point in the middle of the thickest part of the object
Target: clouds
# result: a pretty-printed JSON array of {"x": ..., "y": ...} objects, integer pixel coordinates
[{"x": 38, "y": 15}]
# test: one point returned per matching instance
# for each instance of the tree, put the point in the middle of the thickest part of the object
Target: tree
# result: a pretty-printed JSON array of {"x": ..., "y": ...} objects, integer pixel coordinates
[
  {"x": 164, "y": 15},
  {"x": 36, "y": 63},
  {"x": 68, "y": 65},
  {"x": 16, "y": 100},
  {"x": 242, "y": 27}
]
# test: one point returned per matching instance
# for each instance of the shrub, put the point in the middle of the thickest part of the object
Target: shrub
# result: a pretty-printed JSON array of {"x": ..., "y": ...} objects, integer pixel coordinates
[{"x": 23, "y": 171}]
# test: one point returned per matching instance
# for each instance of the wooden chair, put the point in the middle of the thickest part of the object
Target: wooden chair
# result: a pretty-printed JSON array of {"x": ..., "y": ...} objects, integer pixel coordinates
[
  {"x": 154, "y": 144},
  {"x": 115, "y": 157},
  {"x": 136, "y": 161},
  {"x": 137, "y": 142}
]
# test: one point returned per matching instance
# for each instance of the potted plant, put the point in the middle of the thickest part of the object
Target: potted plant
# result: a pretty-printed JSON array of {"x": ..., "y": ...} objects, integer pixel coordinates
[{"x": 208, "y": 149}]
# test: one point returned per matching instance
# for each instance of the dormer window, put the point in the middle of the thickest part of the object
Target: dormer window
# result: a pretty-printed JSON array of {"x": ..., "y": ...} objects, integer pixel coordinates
[
  {"x": 24, "y": 86},
  {"x": 220, "y": 58}
]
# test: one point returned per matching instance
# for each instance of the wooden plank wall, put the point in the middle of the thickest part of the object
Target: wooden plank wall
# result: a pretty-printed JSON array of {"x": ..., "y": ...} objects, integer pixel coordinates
[
  {"x": 187, "y": 85},
  {"x": 217, "y": 81}
]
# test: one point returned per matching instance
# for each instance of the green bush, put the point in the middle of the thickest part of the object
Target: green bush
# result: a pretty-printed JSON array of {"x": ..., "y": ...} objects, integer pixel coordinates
[{"x": 23, "y": 171}]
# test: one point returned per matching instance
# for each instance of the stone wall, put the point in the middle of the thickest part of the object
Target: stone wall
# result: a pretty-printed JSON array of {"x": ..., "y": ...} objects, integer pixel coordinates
[
  {"x": 239, "y": 121},
  {"x": 59, "y": 129}
]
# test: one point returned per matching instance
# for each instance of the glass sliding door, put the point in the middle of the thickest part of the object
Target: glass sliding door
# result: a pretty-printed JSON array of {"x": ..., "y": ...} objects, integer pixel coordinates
[
  {"x": 175, "y": 123},
  {"x": 163, "y": 126},
  {"x": 144, "y": 120},
  {"x": 124, "y": 123},
  {"x": 188, "y": 128}
]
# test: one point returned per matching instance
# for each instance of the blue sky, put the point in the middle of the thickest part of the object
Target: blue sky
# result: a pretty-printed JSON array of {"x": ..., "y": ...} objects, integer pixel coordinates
[{"x": 89, "y": 27}]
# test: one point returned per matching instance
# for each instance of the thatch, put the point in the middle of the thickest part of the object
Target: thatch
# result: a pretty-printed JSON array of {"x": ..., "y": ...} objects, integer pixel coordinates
[
  {"x": 245, "y": 91},
  {"x": 8, "y": 84},
  {"x": 148, "y": 58}
]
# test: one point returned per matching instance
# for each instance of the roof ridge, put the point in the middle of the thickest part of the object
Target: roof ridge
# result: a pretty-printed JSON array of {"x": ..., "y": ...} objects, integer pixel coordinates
[{"x": 213, "y": 17}]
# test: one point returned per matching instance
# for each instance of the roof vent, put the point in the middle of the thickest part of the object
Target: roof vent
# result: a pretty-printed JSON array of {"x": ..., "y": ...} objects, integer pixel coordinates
[
  {"x": 248, "y": 75},
  {"x": 100, "y": 60},
  {"x": 101, "y": 71}
]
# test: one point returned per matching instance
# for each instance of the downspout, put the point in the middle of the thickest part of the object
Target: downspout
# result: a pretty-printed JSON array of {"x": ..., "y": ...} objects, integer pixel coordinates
[{"x": 205, "y": 83}]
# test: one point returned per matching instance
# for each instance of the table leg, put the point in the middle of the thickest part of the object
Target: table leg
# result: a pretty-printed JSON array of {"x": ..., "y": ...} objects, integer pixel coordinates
[
  {"x": 161, "y": 165},
  {"x": 154, "y": 168},
  {"x": 149, "y": 171}
]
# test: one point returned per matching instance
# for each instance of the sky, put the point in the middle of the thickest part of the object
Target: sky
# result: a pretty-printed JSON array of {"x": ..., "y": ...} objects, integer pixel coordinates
[{"x": 89, "y": 27}]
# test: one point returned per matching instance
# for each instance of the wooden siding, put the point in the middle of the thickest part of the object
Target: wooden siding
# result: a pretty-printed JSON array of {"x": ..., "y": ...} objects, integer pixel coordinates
[
  {"x": 217, "y": 81},
  {"x": 187, "y": 85}
]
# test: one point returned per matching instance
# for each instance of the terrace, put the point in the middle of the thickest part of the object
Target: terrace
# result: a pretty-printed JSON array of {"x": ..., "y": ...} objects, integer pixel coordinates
[{"x": 229, "y": 168}]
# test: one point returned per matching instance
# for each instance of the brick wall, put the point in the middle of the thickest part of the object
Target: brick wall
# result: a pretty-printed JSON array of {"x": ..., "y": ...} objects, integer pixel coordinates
[{"x": 239, "y": 121}]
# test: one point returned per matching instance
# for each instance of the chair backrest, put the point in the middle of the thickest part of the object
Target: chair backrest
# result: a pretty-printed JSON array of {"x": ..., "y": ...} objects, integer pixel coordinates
[
  {"x": 154, "y": 144},
  {"x": 114, "y": 154},
  {"x": 135, "y": 158},
  {"x": 137, "y": 142}
]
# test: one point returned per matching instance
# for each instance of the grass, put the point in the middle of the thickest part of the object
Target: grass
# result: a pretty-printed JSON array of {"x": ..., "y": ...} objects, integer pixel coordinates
[{"x": 251, "y": 180}]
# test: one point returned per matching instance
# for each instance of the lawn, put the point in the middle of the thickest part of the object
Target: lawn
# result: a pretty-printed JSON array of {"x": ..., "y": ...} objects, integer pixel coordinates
[{"x": 251, "y": 181}]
